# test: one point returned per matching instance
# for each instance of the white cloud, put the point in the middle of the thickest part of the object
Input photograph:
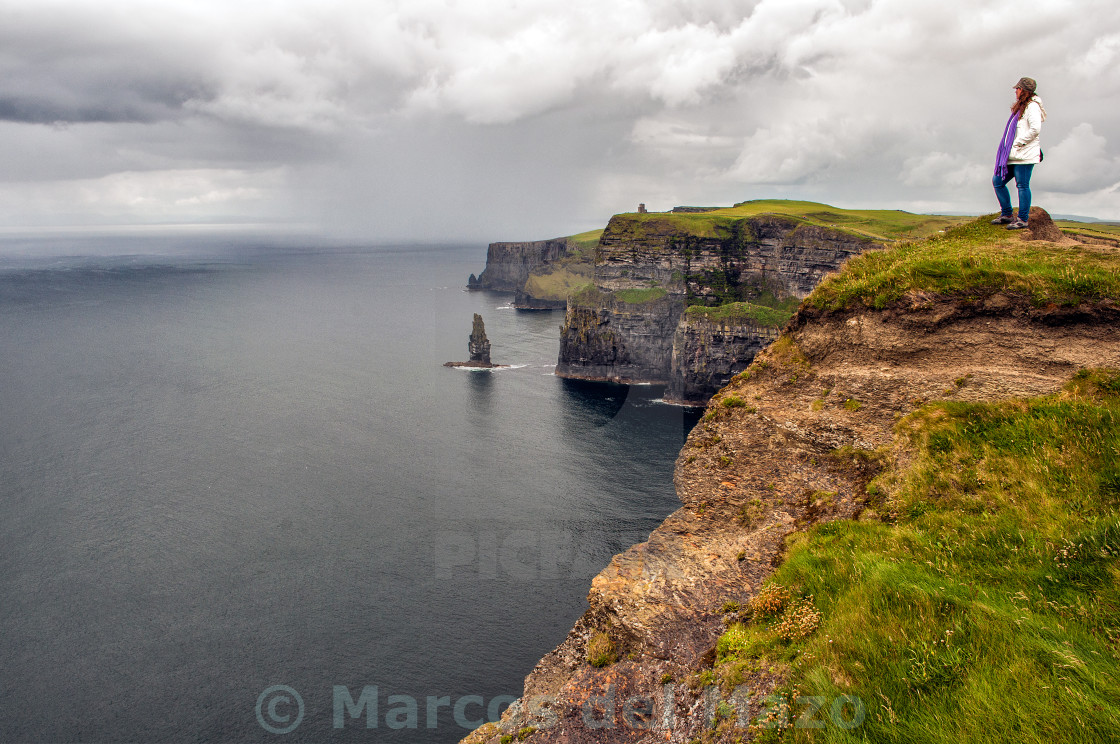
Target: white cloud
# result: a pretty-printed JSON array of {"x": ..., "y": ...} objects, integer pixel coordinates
[
  {"x": 1103, "y": 203},
  {"x": 1100, "y": 60},
  {"x": 498, "y": 80},
  {"x": 678, "y": 134},
  {"x": 806, "y": 150},
  {"x": 942, "y": 170},
  {"x": 1079, "y": 163}
]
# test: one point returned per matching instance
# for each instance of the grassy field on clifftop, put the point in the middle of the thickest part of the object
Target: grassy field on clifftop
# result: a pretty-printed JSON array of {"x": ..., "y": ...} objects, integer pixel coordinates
[
  {"x": 742, "y": 313},
  {"x": 985, "y": 606},
  {"x": 974, "y": 260},
  {"x": 879, "y": 224}
]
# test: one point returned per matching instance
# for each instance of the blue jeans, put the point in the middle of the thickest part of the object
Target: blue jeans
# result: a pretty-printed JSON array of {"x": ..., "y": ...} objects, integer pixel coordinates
[{"x": 1022, "y": 176}]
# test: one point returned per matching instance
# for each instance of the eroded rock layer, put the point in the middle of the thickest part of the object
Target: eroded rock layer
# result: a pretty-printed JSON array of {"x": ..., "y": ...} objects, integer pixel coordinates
[
  {"x": 707, "y": 353},
  {"x": 605, "y": 338}
]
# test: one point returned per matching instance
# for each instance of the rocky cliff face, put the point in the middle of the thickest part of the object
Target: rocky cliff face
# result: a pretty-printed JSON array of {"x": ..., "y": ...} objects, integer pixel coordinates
[
  {"x": 526, "y": 301},
  {"x": 734, "y": 259},
  {"x": 760, "y": 465},
  {"x": 508, "y": 265},
  {"x": 708, "y": 353},
  {"x": 647, "y": 269},
  {"x": 604, "y": 337}
]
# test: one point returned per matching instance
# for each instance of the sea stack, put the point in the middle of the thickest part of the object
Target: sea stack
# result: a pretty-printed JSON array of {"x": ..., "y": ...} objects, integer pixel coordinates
[{"x": 479, "y": 345}]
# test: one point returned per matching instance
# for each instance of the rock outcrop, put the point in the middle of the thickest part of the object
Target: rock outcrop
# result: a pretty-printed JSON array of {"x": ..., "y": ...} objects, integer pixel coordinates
[
  {"x": 1040, "y": 226},
  {"x": 762, "y": 464},
  {"x": 625, "y": 296}
]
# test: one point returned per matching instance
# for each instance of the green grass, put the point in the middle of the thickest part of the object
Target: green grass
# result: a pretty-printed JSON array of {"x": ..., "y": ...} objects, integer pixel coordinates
[
  {"x": 592, "y": 296},
  {"x": 878, "y": 224},
  {"x": 639, "y": 296},
  {"x": 707, "y": 225},
  {"x": 585, "y": 240},
  {"x": 600, "y": 649},
  {"x": 881, "y": 224},
  {"x": 1107, "y": 230},
  {"x": 560, "y": 282},
  {"x": 742, "y": 313},
  {"x": 987, "y": 606},
  {"x": 588, "y": 296},
  {"x": 973, "y": 260}
]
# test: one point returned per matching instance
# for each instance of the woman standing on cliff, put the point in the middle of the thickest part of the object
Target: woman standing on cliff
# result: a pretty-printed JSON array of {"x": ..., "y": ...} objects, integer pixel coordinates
[{"x": 1019, "y": 150}]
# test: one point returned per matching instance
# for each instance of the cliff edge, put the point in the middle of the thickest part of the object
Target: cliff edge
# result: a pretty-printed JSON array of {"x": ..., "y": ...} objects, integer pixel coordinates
[{"x": 867, "y": 511}]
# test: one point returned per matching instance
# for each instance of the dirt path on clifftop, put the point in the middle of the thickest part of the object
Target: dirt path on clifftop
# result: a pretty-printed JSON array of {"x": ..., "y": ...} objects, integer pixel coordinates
[{"x": 760, "y": 465}]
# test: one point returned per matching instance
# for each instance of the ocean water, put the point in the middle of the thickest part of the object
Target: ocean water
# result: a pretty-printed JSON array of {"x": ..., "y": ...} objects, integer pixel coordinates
[{"x": 228, "y": 465}]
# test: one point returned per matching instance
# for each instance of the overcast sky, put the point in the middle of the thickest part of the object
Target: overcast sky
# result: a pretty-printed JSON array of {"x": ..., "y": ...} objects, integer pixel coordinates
[{"x": 525, "y": 119}]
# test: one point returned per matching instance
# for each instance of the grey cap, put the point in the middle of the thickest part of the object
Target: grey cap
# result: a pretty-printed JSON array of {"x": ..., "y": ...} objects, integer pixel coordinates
[{"x": 1027, "y": 84}]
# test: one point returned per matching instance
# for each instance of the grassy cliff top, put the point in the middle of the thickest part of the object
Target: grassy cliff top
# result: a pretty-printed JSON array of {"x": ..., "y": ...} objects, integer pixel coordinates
[
  {"x": 984, "y": 606},
  {"x": 883, "y": 224},
  {"x": 877, "y": 224},
  {"x": 886, "y": 225},
  {"x": 742, "y": 313},
  {"x": 586, "y": 239},
  {"x": 1106, "y": 230},
  {"x": 975, "y": 260}
]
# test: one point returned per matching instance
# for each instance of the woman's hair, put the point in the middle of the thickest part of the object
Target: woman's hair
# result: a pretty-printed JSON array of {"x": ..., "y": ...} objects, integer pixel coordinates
[{"x": 1022, "y": 98}]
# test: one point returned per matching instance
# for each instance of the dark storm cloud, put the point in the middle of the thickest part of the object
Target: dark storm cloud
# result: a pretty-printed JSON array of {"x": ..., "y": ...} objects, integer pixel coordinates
[
  {"x": 113, "y": 103},
  {"x": 76, "y": 65}
]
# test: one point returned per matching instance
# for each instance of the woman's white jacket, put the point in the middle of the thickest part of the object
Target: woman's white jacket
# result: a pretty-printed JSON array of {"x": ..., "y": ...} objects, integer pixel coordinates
[{"x": 1027, "y": 148}]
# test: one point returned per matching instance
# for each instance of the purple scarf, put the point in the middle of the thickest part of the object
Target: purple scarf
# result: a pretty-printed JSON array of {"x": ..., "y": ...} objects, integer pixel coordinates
[{"x": 1004, "y": 151}]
